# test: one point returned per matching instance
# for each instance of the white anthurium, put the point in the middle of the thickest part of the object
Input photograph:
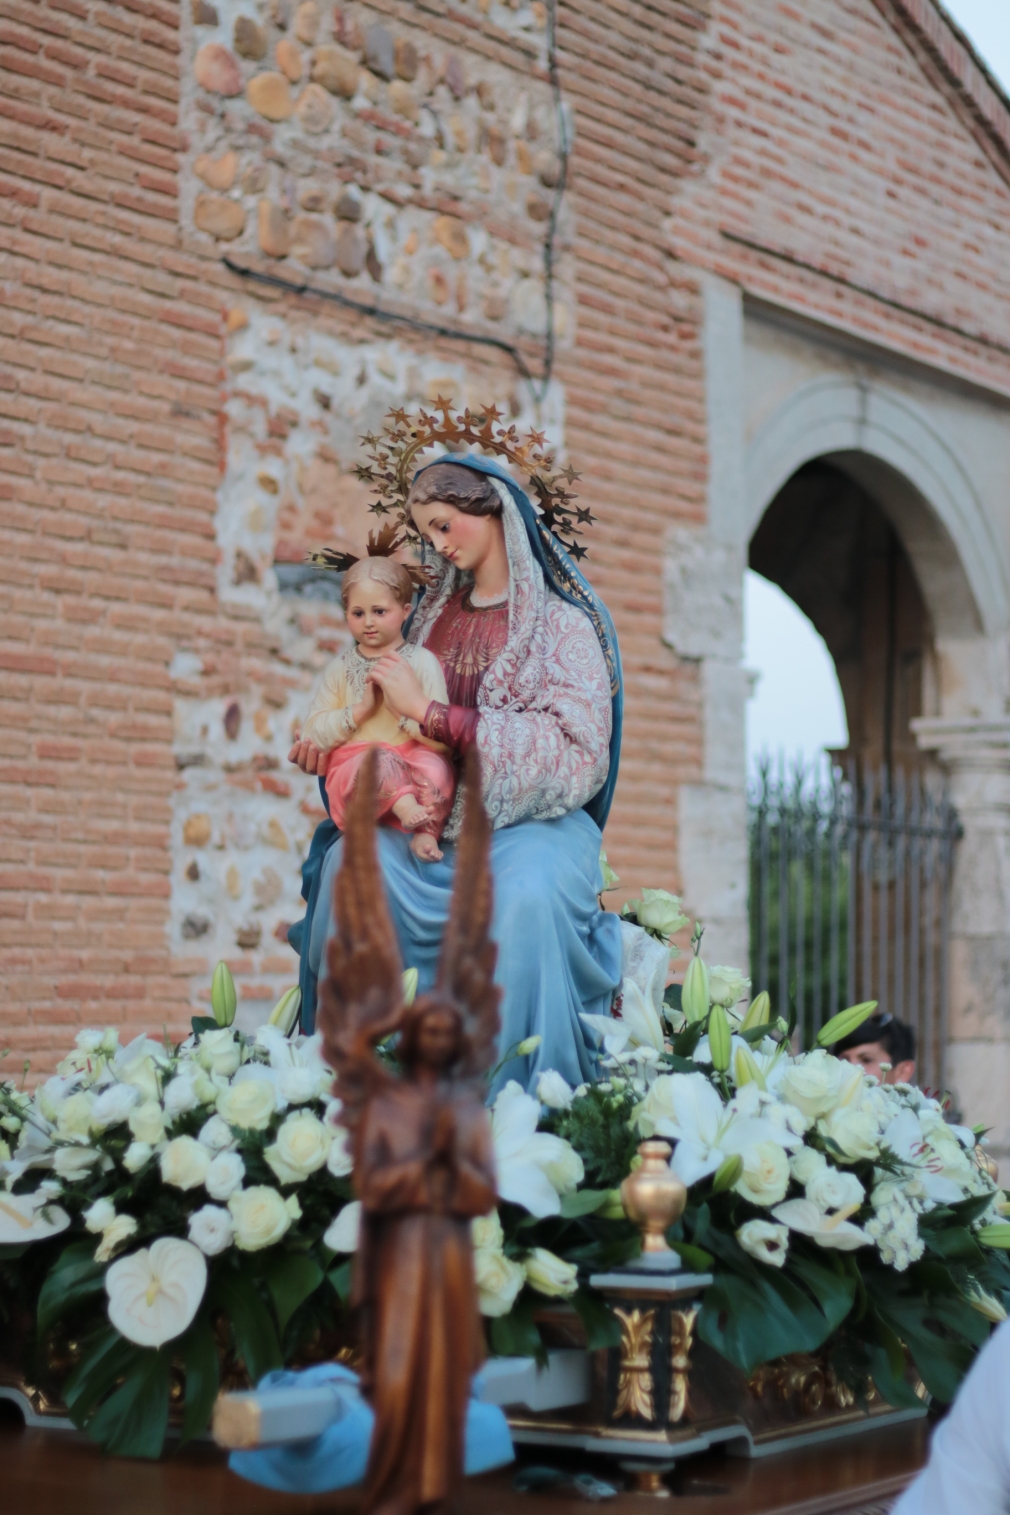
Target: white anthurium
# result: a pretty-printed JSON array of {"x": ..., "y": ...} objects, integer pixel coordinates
[
  {"x": 686, "y": 1107},
  {"x": 527, "y": 1159},
  {"x": 29, "y": 1217},
  {"x": 835, "y": 1230},
  {"x": 343, "y": 1233},
  {"x": 154, "y": 1293}
]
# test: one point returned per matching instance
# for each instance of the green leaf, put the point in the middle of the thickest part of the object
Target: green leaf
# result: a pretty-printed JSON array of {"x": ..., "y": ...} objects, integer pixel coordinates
[
  {"x": 955, "y": 1243},
  {"x": 695, "y": 1257},
  {"x": 887, "y": 1365},
  {"x": 108, "y": 1358},
  {"x": 340, "y": 1278},
  {"x": 516, "y": 1334},
  {"x": 602, "y": 1326},
  {"x": 583, "y": 1202},
  {"x": 291, "y": 1278},
  {"x": 74, "y": 1278},
  {"x": 201, "y": 1023},
  {"x": 671, "y": 996},
  {"x": 198, "y": 1349},
  {"x": 255, "y": 1334},
  {"x": 13, "y": 1250},
  {"x": 834, "y": 1290},
  {"x": 132, "y": 1421},
  {"x": 685, "y": 1042},
  {"x": 751, "y": 1320}
]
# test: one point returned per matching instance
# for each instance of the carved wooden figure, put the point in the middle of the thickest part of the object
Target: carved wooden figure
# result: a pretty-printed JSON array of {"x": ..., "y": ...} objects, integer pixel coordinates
[{"x": 424, "y": 1164}]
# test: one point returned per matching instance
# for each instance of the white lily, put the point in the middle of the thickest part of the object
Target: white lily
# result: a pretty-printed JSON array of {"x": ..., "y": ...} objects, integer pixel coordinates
[
  {"x": 526, "y": 1159},
  {"x": 639, "y": 1024},
  {"x": 906, "y": 1139},
  {"x": 685, "y": 1106},
  {"x": 835, "y": 1230}
]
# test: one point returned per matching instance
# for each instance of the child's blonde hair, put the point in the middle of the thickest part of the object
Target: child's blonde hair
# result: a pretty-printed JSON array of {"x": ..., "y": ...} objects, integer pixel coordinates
[{"x": 383, "y": 571}]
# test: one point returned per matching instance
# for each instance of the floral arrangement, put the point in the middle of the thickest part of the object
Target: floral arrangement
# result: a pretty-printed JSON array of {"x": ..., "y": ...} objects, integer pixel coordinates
[{"x": 182, "y": 1213}]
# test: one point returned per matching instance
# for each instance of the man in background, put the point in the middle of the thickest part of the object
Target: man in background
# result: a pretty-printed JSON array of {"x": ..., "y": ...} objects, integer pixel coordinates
[{"x": 880, "y": 1041}]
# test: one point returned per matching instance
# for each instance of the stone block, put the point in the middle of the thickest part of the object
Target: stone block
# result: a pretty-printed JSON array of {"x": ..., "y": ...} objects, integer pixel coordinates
[
  {"x": 314, "y": 109},
  {"x": 249, "y": 39},
  {"x": 351, "y": 250},
  {"x": 455, "y": 76},
  {"x": 312, "y": 242},
  {"x": 273, "y": 229},
  {"x": 497, "y": 145},
  {"x": 289, "y": 60},
  {"x": 307, "y": 21},
  {"x": 348, "y": 206},
  {"x": 379, "y": 52},
  {"x": 402, "y": 100},
  {"x": 216, "y": 70},
  {"x": 537, "y": 208},
  {"x": 222, "y": 218},
  {"x": 217, "y": 173},
  {"x": 452, "y": 234},
  {"x": 336, "y": 70},
  {"x": 269, "y": 95},
  {"x": 405, "y": 59},
  {"x": 196, "y": 830},
  {"x": 203, "y": 14}
]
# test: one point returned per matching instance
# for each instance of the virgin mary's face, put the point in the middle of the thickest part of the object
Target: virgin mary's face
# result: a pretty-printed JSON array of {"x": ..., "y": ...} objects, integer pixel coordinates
[{"x": 465, "y": 540}]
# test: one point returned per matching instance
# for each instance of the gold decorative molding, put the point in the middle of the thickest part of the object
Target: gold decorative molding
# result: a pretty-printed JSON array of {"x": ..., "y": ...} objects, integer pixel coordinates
[
  {"x": 681, "y": 1338},
  {"x": 634, "y": 1381}
]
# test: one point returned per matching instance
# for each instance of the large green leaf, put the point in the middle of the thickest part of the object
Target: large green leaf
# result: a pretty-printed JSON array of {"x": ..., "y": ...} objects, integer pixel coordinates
[
  {"x": 601, "y": 1325},
  {"x": 132, "y": 1421},
  {"x": 256, "y": 1339},
  {"x": 74, "y": 1278},
  {"x": 198, "y": 1349},
  {"x": 750, "y": 1321},
  {"x": 516, "y": 1334},
  {"x": 583, "y": 1202},
  {"x": 954, "y": 1243},
  {"x": 107, "y": 1358},
  {"x": 834, "y": 1288},
  {"x": 340, "y": 1278},
  {"x": 291, "y": 1278},
  {"x": 942, "y": 1360}
]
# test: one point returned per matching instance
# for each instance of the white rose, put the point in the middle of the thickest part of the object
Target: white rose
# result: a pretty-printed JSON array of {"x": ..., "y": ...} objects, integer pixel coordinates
[
  {"x": 115, "y": 1236},
  {"x": 343, "y": 1233},
  {"x": 74, "y": 1119},
  {"x": 49, "y": 1097},
  {"x": 498, "y": 1281},
  {"x": 147, "y": 1122},
  {"x": 813, "y": 1083},
  {"x": 831, "y": 1189},
  {"x": 805, "y": 1164},
  {"x": 216, "y": 1135},
  {"x": 300, "y": 1148},
  {"x": 184, "y": 1163},
  {"x": 74, "y": 1162},
  {"x": 219, "y": 1052},
  {"x": 727, "y": 986},
  {"x": 854, "y": 1132},
  {"x": 113, "y": 1106},
  {"x": 340, "y": 1159},
  {"x": 225, "y": 1175},
  {"x": 136, "y": 1155},
  {"x": 764, "y": 1240},
  {"x": 88, "y": 1040},
  {"x": 659, "y": 911},
  {"x": 299, "y": 1085},
  {"x": 248, "y": 1105},
  {"x": 564, "y": 1169},
  {"x": 180, "y": 1096},
  {"x": 110, "y": 1041},
  {"x": 554, "y": 1091},
  {"x": 765, "y": 1176},
  {"x": 142, "y": 1074},
  {"x": 549, "y": 1274},
  {"x": 487, "y": 1232},
  {"x": 155, "y": 1293},
  {"x": 99, "y": 1215},
  {"x": 211, "y": 1230},
  {"x": 259, "y": 1214}
]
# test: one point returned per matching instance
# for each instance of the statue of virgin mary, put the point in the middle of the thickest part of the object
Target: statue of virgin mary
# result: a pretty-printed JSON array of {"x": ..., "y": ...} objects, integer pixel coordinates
[{"x": 533, "y": 676}]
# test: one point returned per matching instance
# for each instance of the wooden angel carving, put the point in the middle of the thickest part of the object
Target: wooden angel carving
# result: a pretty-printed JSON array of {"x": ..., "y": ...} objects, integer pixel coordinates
[{"x": 423, "y": 1159}]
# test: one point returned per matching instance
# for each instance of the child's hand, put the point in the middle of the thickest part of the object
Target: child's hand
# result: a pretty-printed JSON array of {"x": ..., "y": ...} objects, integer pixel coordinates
[{"x": 369, "y": 706}]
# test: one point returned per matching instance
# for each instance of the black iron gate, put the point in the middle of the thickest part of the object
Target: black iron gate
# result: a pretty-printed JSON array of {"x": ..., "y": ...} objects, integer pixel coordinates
[{"x": 850, "y": 897}]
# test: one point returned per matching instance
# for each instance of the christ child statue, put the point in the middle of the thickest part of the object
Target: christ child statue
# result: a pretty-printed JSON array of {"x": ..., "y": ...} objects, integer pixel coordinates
[{"x": 349, "y": 715}]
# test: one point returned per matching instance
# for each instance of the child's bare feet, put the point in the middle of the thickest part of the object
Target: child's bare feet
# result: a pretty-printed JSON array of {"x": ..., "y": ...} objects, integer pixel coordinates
[
  {"x": 410, "y": 813},
  {"x": 424, "y": 846}
]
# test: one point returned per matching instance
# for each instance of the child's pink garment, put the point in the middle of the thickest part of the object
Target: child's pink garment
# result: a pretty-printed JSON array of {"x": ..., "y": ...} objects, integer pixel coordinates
[{"x": 408, "y": 768}]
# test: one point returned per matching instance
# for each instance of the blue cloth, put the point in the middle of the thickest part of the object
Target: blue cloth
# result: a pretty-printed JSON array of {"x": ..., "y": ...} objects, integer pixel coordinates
[
  {"x": 337, "y": 1458},
  {"x": 558, "y": 952}
]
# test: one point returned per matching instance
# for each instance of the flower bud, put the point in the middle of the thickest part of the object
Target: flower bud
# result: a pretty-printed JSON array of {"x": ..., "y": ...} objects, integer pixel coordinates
[
  {"x": 409, "y": 985},
  {"x": 719, "y": 1040},
  {"x": 223, "y": 998},
  {"x": 745, "y": 1068},
  {"x": 845, "y": 1022},
  {"x": 284, "y": 1014},
  {"x": 758, "y": 1012},
  {"x": 529, "y": 1046},
  {"x": 997, "y": 1235},
  {"x": 694, "y": 994},
  {"x": 727, "y": 1174}
]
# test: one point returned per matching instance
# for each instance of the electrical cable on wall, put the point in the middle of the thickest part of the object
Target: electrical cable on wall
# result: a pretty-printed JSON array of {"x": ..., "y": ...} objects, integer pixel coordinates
[{"x": 538, "y": 386}]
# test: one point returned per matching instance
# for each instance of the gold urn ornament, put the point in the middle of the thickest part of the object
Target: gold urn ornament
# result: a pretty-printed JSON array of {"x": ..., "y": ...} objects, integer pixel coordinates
[{"x": 653, "y": 1198}]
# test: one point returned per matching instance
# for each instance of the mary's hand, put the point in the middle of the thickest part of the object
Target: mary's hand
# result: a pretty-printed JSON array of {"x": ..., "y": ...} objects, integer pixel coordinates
[
  {"x": 309, "y": 758},
  {"x": 400, "y": 685}
]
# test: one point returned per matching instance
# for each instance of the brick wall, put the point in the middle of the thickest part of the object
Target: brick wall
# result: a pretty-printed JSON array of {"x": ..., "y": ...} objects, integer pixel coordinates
[{"x": 170, "y": 434}]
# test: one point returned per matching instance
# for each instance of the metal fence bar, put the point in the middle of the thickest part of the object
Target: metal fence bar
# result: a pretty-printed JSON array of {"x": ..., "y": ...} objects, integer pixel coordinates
[{"x": 850, "y": 890}]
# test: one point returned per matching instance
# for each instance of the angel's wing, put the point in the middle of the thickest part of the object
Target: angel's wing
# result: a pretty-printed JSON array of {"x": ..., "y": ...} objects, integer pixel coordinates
[
  {"x": 466, "y": 968},
  {"x": 362, "y": 1000}
]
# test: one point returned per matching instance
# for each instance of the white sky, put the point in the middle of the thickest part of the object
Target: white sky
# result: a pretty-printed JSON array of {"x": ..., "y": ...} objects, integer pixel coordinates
[{"x": 797, "y": 704}]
